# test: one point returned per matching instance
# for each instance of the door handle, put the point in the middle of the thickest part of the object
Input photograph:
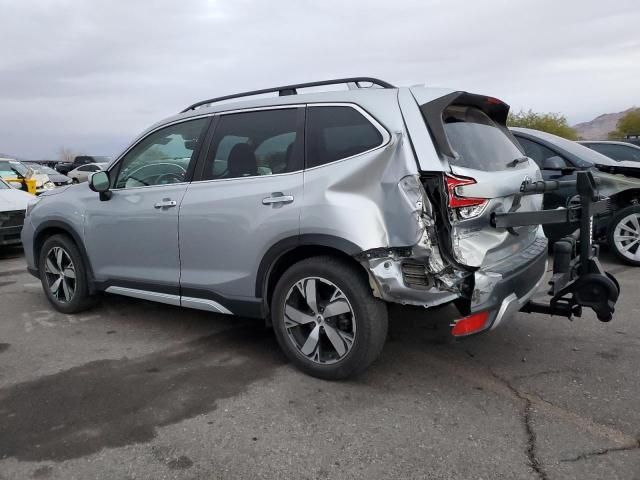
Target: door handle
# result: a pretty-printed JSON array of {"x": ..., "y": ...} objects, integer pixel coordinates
[
  {"x": 277, "y": 197},
  {"x": 166, "y": 203}
]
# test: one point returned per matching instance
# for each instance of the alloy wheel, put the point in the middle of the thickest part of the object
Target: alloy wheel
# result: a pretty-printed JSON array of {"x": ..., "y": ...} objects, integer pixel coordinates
[
  {"x": 319, "y": 320},
  {"x": 61, "y": 274},
  {"x": 626, "y": 236}
]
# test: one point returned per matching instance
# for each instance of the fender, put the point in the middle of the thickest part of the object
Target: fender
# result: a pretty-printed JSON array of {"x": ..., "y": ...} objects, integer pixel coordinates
[{"x": 276, "y": 251}]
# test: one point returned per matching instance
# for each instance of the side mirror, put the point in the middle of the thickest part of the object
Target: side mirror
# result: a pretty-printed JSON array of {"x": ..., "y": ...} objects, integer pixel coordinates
[
  {"x": 100, "y": 182},
  {"x": 554, "y": 163}
]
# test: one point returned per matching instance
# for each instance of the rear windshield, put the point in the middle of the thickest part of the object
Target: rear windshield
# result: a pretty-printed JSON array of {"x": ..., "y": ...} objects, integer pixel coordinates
[{"x": 479, "y": 142}]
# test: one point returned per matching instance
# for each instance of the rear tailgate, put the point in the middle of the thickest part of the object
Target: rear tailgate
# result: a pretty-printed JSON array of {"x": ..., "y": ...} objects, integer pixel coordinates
[{"x": 485, "y": 170}]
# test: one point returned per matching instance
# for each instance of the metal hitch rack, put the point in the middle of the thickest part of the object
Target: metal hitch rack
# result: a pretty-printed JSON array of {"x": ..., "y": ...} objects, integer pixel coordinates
[{"x": 578, "y": 278}]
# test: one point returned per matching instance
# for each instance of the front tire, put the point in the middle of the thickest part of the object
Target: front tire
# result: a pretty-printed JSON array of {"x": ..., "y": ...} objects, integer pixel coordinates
[
  {"x": 326, "y": 320},
  {"x": 623, "y": 236},
  {"x": 63, "y": 275}
]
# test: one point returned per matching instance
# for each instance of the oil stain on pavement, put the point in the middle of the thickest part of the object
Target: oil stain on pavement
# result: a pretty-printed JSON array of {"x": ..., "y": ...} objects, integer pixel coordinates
[{"x": 111, "y": 403}]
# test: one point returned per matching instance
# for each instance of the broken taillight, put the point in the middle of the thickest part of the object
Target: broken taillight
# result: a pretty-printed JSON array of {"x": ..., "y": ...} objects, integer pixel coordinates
[{"x": 466, "y": 207}]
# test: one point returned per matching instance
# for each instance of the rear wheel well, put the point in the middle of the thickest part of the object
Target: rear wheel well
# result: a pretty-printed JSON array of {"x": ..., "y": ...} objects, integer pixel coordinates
[
  {"x": 626, "y": 198},
  {"x": 299, "y": 253}
]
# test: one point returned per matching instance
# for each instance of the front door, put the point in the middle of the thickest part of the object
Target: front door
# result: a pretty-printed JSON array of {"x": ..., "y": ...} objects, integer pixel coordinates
[
  {"x": 132, "y": 238},
  {"x": 245, "y": 198}
]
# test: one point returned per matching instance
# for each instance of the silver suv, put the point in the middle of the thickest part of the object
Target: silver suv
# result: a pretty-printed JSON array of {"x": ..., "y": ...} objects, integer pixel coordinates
[{"x": 310, "y": 210}]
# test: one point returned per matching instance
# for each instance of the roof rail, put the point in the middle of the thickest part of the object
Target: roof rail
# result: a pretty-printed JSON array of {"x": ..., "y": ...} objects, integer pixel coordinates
[{"x": 292, "y": 89}]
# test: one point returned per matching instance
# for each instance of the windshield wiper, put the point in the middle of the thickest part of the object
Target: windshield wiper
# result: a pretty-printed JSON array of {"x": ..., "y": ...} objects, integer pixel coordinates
[{"x": 517, "y": 161}]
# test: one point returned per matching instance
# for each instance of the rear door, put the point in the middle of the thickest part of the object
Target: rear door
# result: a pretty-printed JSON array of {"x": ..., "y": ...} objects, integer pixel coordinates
[
  {"x": 245, "y": 198},
  {"x": 486, "y": 169}
]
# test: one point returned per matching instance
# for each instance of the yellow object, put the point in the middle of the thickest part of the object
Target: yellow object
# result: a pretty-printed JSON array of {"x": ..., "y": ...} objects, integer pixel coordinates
[
  {"x": 31, "y": 185},
  {"x": 28, "y": 184}
]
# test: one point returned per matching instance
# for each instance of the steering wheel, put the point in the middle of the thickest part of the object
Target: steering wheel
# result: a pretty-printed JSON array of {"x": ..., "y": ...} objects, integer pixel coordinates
[
  {"x": 167, "y": 178},
  {"x": 178, "y": 174}
]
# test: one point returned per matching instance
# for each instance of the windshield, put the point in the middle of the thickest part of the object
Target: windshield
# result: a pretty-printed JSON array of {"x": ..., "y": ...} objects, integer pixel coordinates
[
  {"x": 479, "y": 142},
  {"x": 10, "y": 169},
  {"x": 41, "y": 169},
  {"x": 586, "y": 156},
  {"x": 4, "y": 185}
]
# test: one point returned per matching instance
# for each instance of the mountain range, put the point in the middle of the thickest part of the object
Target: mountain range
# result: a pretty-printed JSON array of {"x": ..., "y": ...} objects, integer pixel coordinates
[{"x": 599, "y": 127}]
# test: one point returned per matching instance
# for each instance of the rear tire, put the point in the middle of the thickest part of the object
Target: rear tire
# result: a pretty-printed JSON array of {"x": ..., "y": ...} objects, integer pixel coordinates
[
  {"x": 63, "y": 275},
  {"x": 326, "y": 320},
  {"x": 623, "y": 235}
]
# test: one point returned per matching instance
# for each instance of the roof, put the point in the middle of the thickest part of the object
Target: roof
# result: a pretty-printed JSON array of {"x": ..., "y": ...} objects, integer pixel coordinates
[{"x": 610, "y": 142}]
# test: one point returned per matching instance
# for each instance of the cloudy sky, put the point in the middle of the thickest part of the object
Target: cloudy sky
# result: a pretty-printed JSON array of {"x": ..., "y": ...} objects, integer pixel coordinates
[{"x": 90, "y": 75}]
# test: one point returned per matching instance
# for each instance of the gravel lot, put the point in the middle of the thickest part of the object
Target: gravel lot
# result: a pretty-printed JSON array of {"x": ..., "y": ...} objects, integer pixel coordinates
[{"x": 138, "y": 390}]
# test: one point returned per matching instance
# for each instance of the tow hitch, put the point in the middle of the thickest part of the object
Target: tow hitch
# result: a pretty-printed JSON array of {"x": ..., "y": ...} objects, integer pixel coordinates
[{"x": 578, "y": 278}]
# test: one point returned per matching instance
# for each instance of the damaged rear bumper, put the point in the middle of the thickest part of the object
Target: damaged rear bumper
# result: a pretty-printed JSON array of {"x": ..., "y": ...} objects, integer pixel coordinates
[
  {"x": 499, "y": 290},
  {"x": 503, "y": 289}
]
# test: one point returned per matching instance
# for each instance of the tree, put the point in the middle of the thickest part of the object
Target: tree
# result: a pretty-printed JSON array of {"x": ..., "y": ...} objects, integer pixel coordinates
[
  {"x": 65, "y": 154},
  {"x": 629, "y": 124},
  {"x": 555, "y": 123}
]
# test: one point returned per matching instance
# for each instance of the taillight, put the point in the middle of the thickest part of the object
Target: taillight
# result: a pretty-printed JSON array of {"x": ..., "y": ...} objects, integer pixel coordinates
[{"x": 466, "y": 207}]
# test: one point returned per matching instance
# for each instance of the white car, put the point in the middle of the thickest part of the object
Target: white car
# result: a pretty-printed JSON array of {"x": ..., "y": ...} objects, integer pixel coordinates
[
  {"x": 13, "y": 205},
  {"x": 82, "y": 173}
]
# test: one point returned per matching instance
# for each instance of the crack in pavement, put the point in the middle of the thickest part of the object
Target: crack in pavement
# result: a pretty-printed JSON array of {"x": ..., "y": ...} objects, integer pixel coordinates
[
  {"x": 532, "y": 453},
  {"x": 604, "y": 451}
]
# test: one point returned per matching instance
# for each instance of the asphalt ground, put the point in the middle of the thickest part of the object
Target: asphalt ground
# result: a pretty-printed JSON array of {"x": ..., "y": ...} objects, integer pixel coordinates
[{"x": 136, "y": 390}]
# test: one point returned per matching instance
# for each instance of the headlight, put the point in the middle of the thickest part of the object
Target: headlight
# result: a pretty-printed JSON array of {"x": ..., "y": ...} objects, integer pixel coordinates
[
  {"x": 32, "y": 204},
  {"x": 48, "y": 185}
]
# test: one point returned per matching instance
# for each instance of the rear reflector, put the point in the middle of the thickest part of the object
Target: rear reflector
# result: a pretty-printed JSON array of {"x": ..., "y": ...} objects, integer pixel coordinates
[
  {"x": 457, "y": 201},
  {"x": 471, "y": 324}
]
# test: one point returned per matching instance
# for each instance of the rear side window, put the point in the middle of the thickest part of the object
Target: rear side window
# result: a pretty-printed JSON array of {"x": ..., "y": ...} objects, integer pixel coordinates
[
  {"x": 338, "y": 132},
  {"x": 479, "y": 142},
  {"x": 617, "y": 152},
  {"x": 250, "y": 144}
]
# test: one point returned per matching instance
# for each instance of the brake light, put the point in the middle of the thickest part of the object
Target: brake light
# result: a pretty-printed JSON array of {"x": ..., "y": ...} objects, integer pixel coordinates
[
  {"x": 456, "y": 200},
  {"x": 471, "y": 324},
  {"x": 465, "y": 207}
]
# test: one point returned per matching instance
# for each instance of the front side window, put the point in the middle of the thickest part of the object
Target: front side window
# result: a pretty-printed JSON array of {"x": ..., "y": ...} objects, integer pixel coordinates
[
  {"x": 162, "y": 157},
  {"x": 337, "y": 132},
  {"x": 480, "y": 143},
  {"x": 249, "y": 144}
]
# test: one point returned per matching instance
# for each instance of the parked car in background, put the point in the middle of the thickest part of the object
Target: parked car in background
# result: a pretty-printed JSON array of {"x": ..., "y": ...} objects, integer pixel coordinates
[
  {"x": 313, "y": 210},
  {"x": 620, "y": 151},
  {"x": 43, "y": 181},
  {"x": 66, "y": 167},
  {"x": 82, "y": 173},
  {"x": 560, "y": 159},
  {"x": 55, "y": 177},
  {"x": 18, "y": 175},
  {"x": 13, "y": 205}
]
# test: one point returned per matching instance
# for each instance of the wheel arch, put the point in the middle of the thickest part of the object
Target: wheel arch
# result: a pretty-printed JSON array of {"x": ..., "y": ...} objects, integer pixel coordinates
[
  {"x": 291, "y": 250},
  {"x": 56, "y": 227},
  {"x": 626, "y": 198}
]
